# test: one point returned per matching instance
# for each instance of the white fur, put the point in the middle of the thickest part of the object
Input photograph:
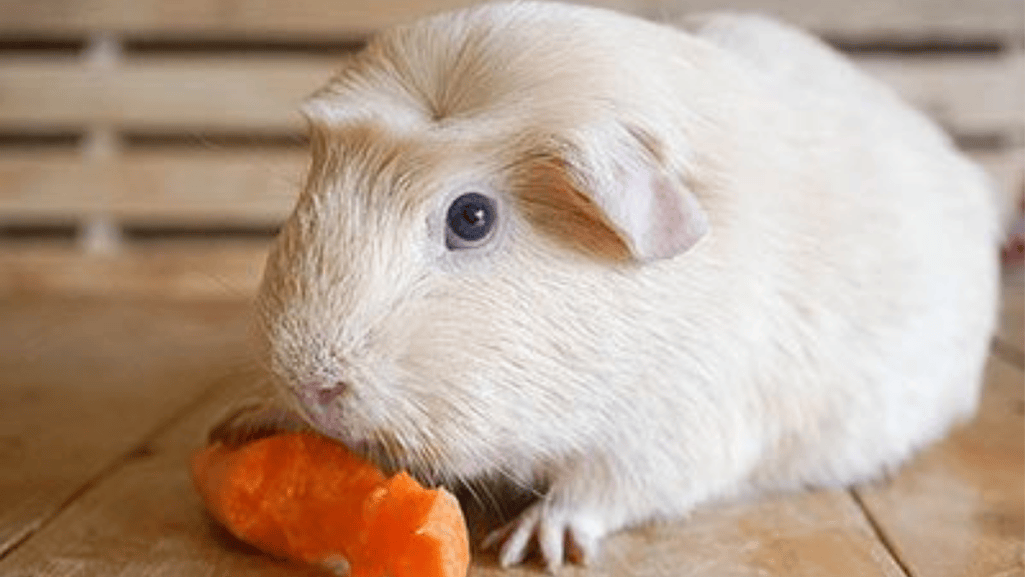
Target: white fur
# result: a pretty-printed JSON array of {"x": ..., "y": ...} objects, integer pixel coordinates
[{"x": 828, "y": 313}]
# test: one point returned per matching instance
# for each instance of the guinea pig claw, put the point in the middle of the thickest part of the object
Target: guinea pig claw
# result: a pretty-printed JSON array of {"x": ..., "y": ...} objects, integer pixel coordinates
[
  {"x": 517, "y": 537},
  {"x": 558, "y": 538},
  {"x": 495, "y": 537}
]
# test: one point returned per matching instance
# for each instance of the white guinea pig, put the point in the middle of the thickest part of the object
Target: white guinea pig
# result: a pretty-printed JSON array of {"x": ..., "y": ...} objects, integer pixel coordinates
[{"x": 644, "y": 266}]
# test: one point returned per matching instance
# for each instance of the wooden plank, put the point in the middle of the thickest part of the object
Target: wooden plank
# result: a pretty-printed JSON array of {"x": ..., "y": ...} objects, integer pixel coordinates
[
  {"x": 801, "y": 535},
  {"x": 86, "y": 381},
  {"x": 886, "y": 19},
  {"x": 957, "y": 510},
  {"x": 145, "y": 519},
  {"x": 264, "y": 93},
  {"x": 892, "y": 17},
  {"x": 160, "y": 188},
  {"x": 218, "y": 16},
  {"x": 212, "y": 187},
  {"x": 951, "y": 90},
  {"x": 1011, "y": 327},
  {"x": 172, "y": 270},
  {"x": 157, "y": 527},
  {"x": 157, "y": 93},
  {"x": 192, "y": 189}
]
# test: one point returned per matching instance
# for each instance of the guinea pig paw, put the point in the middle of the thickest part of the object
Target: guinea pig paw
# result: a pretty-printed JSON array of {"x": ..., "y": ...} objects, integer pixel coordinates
[{"x": 559, "y": 535}]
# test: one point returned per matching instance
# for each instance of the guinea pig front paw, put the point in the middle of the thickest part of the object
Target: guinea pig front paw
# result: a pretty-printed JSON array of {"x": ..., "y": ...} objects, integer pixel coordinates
[
  {"x": 254, "y": 420},
  {"x": 560, "y": 533}
]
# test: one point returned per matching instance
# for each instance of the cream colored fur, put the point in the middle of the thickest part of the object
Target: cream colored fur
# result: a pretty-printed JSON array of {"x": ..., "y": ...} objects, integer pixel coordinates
[{"x": 727, "y": 262}]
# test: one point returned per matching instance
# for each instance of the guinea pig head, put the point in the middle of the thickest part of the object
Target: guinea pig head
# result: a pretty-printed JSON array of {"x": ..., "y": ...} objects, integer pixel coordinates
[{"x": 439, "y": 298}]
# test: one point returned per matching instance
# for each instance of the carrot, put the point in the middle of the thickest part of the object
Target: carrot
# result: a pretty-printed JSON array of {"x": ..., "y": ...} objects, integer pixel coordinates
[{"x": 305, "y": 497}]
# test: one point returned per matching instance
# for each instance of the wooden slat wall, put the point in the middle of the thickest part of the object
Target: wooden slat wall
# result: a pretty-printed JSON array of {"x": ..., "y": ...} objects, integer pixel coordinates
[
  {"x": 150, "y": 147},
  {"x": 330, "y": 17},
  {"x": 164, "y": 188},
  {"x": 981, "y": 93}
]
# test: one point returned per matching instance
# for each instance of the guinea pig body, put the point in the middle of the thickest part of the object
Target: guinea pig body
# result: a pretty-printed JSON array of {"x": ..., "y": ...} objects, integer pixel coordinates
[{"x": 712, "y": 260}]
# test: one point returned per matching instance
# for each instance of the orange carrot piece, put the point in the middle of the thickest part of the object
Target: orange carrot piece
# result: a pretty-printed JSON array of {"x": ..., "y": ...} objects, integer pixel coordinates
[{"x": 305, "y": 497}]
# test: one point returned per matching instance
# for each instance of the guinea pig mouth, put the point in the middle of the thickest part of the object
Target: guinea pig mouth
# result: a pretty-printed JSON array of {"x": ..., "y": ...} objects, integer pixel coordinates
[
  {"x": 384, "y": 452},
  {"x": 324, "y": 421},
  {"x": 385, "y": 448},
  {"x": 378, "y": 454},
  {"x": 382, "y": 449}
]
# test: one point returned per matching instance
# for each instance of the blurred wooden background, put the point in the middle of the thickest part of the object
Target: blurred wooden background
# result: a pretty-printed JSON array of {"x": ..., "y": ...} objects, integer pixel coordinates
[{"x": 151, "y": 147}]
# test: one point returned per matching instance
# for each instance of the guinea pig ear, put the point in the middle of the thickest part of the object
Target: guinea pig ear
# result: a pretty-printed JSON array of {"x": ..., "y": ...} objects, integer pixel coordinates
[
  {"x": 631, "y": 213},
  {"x": 624, "y": 174},
  {"x": 656, "y": 216}
]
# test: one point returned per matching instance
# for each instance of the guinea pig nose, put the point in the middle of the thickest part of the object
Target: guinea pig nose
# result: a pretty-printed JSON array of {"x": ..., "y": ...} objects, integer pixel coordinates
[{"x": 321, "y": 394}]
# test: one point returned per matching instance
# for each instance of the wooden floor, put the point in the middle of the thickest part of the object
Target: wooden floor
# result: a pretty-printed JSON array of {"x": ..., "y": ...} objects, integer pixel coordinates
[{"x": 101, "y": 403}]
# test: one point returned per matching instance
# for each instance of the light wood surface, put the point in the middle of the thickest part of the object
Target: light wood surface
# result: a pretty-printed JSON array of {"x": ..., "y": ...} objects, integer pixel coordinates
[
  {"x": 965, "y": 95},
  {"x": 196, "y": 187},
  {"x": 886, "y": 17},
  {"x": 806, "y": 535},
  {"x": 82, "y": 384},
  {"x": 102, "y": 402},
  {"x": 158, "y": 93},
  {"x": 144, "y": 92},
  {"x": 199, "y": 189},
  {"x": 178, "y": 270},
  {"x": 958, "y": 508},
  {"x": 210, "y": 187},
  {"x": 1011, "y": 326},
  {"x": 145, "y": 518},
  {"x": 253, "y": 92}
]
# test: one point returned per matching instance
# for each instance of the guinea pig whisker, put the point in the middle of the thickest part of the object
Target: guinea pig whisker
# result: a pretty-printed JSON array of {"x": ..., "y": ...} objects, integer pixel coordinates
[{"x": 486, "y": 496}]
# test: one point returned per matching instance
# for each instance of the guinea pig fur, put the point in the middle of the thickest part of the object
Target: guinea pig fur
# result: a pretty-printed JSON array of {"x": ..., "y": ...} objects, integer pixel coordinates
[{"x": 712, "y": 259}]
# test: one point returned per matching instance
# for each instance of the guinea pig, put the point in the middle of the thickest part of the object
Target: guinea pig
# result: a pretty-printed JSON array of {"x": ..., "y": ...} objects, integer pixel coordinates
[{"x": 641, "y": 265}]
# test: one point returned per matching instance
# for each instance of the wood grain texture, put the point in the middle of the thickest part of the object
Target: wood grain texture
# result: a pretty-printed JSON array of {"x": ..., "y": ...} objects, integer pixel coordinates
[
  {"x": 151, "y": 93},
  {"x": 802, "y": 535},
  {"x": 103, "y": 402},
  {"x": 216, "y": 16},
  {"x": 1011, "y": 326},
  {"x": 180, "y": 270},
  {"x": 144, "y": 517},
  {"x": 196, "y": 189},
  {"x": 264, "y": 93},
  {"x": 957, "y": 509},
  {"x": 82, "y": 383},
  {"x": 923, "y": 17},
  {"x": 176, "y": 187},
  {"x": 210, "y": 187},
  {"x": 967, "y": 95}
]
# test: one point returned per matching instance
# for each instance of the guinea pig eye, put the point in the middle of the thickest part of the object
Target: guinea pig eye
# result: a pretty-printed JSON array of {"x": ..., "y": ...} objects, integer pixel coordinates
[{"x": 470, "y": 220}]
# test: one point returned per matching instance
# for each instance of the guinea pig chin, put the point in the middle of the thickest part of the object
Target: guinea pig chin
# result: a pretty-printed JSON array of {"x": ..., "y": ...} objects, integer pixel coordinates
[{"x": 329, "y": 414}]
